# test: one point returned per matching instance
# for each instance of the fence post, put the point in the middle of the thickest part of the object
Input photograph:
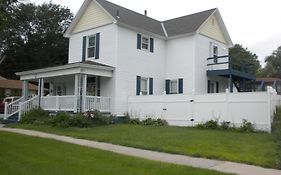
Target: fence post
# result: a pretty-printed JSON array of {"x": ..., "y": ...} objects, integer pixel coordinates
[
  {"x": 269, "y": 108},
  {"x": 5, "y": 111},
  {"x": 19, "y": 111}
]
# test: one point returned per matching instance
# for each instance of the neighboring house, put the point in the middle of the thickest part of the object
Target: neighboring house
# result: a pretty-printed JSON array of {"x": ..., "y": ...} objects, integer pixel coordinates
[
  {"x": 116, "y": 53},
  {"x": 14, "y": 88},
  {"x": 263, "y": 83}
]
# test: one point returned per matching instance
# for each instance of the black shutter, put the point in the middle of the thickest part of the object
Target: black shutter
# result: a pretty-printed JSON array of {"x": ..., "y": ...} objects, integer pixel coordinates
[
  {"x": 97, "y": 56},
  {"x": 217, "y": 87},
  {"x": 84, "y": 49},
  {"x": 209, "y": 86},
  {"x": 180, "y": 86},
  {"x": 150, "y": 86},
  {"x": 151, "y": 45},
  {"x": 167, "y": 86},
  {"x": 139, "y": 41},
  {"x": 138, "y": 85}
]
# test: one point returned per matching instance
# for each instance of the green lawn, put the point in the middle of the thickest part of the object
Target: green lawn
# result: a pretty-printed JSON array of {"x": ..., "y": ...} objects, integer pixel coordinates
[
  {"x": 251, "y": 148},
  {"x": 25, "y": 155}
]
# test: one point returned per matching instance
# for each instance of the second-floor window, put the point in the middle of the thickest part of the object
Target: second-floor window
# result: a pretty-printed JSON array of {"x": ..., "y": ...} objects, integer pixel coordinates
[
  {"x": 91, "y": 46},
  {"x": 145, "y": 43}
]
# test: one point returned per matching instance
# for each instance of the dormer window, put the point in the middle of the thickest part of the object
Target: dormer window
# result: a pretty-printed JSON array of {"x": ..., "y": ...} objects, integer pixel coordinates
[{"x": 91, "y": 46}]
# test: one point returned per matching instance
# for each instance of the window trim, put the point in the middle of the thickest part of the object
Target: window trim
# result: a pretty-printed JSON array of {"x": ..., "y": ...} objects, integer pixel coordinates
[{"x": 88, "y": 47}]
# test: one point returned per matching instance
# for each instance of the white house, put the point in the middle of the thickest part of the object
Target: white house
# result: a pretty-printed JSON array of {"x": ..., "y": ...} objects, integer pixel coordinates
[{"x": 116, "y": 54}]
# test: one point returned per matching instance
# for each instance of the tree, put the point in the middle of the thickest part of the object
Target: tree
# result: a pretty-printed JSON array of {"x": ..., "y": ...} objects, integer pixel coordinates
[
  {"x": 273, "y": 64},
  {"x": 243, "y": 59},
  {"x": 5, "y": 6},
  {"x": 33, "y": 38}
]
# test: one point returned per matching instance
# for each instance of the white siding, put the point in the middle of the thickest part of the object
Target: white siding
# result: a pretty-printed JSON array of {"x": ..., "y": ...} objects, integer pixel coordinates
[
  {"x": 202, "y": 52},
  {"x": 94, "y": 16},
  {"x": 212, "y": 29},
  {"x": 133, "y": 62},
  {"x": 108, "y": 45},
  {"x": 180, "y": 55}
]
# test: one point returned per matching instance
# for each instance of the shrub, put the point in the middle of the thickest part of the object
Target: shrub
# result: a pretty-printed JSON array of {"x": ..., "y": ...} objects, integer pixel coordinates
[
  {"x": 247, "y": 126},
  {"x": 97, "y": 118},
  {"x": 212, "y": 124},
  {"x": 225, "y": 125},
  {"x": 79, "y": 120},
  {"x": 61, "y": 119},
  {"x": 276, "y": 132},
  {"x": 35, "y": 116},
  {"x": 135, "y": 121}
]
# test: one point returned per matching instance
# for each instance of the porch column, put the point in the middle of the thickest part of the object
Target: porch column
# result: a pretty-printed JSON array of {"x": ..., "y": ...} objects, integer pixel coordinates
[
  {"x": 76, "y": 93},
  {"x": 84, "y": 92},
  {"x": 25, "y": 90},
  {"x": 244, "y": 85},
  {"x": 51, "y": 89},
  {"x": 230, "y": 84},
  {"x": 42, "y": 87}
]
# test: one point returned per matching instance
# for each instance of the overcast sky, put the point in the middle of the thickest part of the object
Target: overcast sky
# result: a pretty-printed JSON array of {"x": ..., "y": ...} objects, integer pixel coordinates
[{"x": 256, "y": 24}]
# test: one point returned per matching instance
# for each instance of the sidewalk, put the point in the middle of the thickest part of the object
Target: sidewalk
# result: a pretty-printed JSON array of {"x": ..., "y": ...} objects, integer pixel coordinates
[{"x": 222, "y": 166}]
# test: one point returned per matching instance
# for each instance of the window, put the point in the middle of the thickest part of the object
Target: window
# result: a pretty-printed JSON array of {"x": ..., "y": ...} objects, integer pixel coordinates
[
  {"x": 144, "y": 86},
  {"x": 144, "y": 43},
  {"x": 215, "y": 51},
  {"x": 91, "y": 46},
  {"x": 174, "y": 86}
]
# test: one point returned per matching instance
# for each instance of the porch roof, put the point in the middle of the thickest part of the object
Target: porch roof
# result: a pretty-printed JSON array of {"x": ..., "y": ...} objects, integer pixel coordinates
[{"x": 88, "y": 67}]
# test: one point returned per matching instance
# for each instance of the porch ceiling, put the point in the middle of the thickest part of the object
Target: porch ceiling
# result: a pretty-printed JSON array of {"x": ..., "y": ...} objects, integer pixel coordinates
[
  {"x": 89, "y": 68},
  {"x": 235, "y": 73}
]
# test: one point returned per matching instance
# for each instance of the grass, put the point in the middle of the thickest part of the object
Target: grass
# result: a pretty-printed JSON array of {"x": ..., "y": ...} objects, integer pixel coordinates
[
  {"x": 24, "y": 155},
  {"x": 251, "y": 148}
]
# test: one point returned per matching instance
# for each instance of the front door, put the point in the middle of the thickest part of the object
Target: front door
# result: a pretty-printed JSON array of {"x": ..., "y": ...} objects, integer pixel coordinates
[{"x": 93, "y": 86}]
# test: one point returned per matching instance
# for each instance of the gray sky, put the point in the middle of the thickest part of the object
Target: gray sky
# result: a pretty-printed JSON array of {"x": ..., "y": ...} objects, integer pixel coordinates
[{"x": 256, "y": 24}]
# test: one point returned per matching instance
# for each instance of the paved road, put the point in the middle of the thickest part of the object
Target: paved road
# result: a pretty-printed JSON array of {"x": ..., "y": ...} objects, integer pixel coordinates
[{"x": 222, "y": 166}]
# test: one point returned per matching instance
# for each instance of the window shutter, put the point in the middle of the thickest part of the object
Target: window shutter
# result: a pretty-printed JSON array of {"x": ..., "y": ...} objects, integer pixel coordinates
[
  {"x": 97, "y": 46},
  {"x": 217, "y": 87},
  {"x": 180, "y": 86},
  {"x": 209, "y": 86},
  {"x": 139, "y": 41},
  {"x": 84, "y": 49},
  {"x": 138, "y": 85},
  {"x": 167, "y": 86},
  {"x": 150, "y": 86},
  {"x": 151, "y": 45}
]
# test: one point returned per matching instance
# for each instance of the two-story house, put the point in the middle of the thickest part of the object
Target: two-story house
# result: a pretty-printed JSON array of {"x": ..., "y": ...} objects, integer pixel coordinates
[{"x": 115, "y": 53}]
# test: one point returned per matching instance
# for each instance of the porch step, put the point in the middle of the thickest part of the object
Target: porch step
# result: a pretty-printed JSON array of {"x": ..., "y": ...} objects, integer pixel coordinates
[{"x": 12, "y": 119}]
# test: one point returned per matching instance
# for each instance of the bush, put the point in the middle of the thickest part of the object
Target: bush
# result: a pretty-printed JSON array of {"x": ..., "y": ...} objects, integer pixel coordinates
[
  {"x": 247, "y": 126},
  {"x": 135, "y": 121},
  {"x": 276, "y": 132},
  {"x": 225, "y": 125},
  {"x": 61, "y": 119},
  {"x": 35, "y": 116},
  {"x": 98, "y": 118},
  {"x": 212, "y": 124},
  {"x": 79, "y": 120}
]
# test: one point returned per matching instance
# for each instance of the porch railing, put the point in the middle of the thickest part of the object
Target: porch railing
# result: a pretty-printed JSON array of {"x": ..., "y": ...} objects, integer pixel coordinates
[
  {"x": 12, "y": 108},
  {"x": 27, "y": 106},
  {"x": 218, "y": 63},
  {"x": 97, "y": 103},
  {"x": 58, "y": 103}
]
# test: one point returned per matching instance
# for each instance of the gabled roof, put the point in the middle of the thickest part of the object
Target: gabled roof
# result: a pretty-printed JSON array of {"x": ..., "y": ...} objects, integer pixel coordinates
[
  {"x": 131, "y": 18},
  {"x": 173, "y": 27},
  {"x": 187, "y": 24}
]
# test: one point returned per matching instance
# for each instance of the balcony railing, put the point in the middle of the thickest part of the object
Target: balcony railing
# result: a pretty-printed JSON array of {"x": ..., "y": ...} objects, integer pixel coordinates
[{"x": 218, "y": 63}]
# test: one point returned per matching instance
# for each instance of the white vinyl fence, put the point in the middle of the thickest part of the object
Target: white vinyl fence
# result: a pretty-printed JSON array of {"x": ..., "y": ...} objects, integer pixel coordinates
[{"x": 255, "y": 107}]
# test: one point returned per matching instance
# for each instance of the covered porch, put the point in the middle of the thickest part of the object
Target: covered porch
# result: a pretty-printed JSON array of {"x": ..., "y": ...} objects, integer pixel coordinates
[{"x": 76, "y": 87}]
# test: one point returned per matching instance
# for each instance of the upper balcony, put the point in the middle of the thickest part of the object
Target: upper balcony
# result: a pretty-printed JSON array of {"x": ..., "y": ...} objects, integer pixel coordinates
[{"x": 237, "y": 74}]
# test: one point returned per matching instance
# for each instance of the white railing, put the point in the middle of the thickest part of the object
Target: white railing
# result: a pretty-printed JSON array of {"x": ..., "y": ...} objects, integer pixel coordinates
[
  {"x": 12, "y": 108},
  {"x": 97, "y": 103},
  {"x": 58, "y": 103},
  {"x": 26, "y": 106}
]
